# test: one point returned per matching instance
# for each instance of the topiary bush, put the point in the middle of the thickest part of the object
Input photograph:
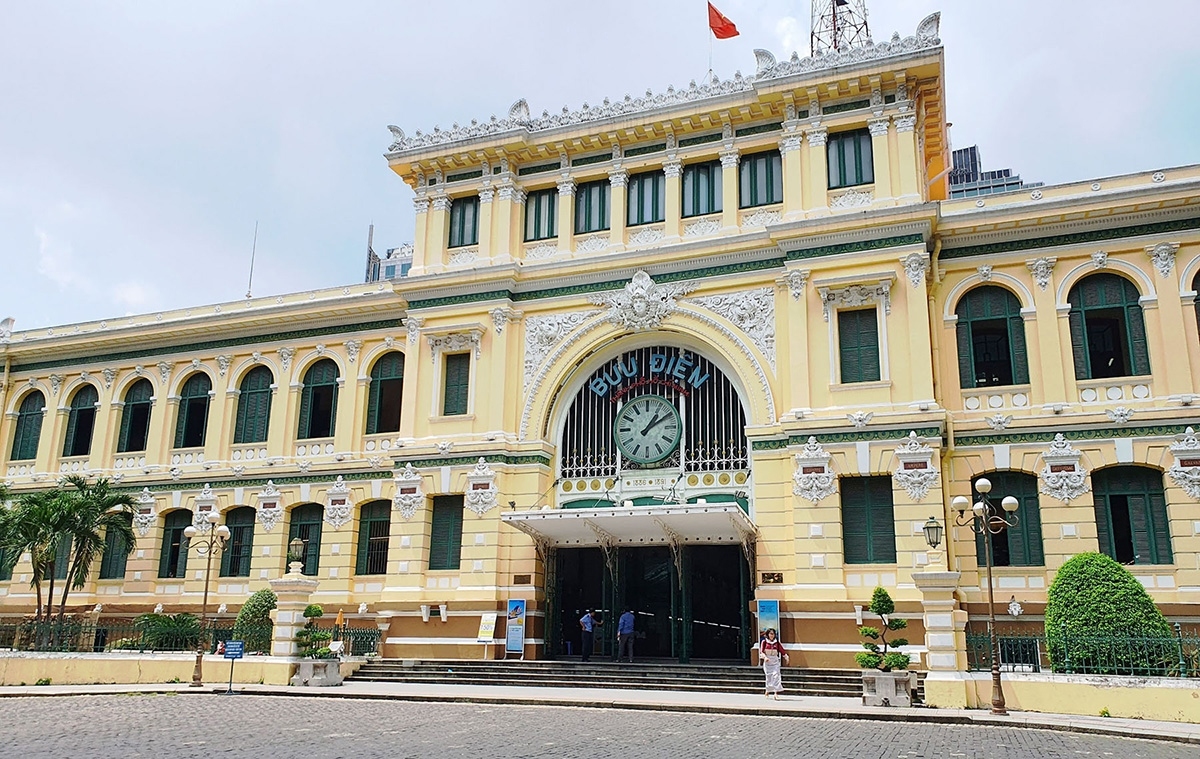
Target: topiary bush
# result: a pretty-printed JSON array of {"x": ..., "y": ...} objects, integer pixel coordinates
[
  {"x": 1093, "y": 606},
  {"x": 876, "y": 657},
  {"x": 253, "y": 624},
  {"x": 311, "y": 642}
]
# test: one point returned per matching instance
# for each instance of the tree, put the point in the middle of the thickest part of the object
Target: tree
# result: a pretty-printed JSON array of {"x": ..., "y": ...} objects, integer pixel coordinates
[
  {"x": 253, "y": 624},
  {"x": 880, "y": 658},
  {"x": 1094, "y": 603},
  {"x": 34, "y": 525},
  {"x": 92, "y": 513}
]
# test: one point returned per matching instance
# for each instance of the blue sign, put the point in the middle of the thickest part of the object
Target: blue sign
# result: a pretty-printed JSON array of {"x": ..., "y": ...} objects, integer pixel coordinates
[
  {"x": 680, "y": 370},
  {"x": 768, "y": 617},
  {"x": 235, "y": 649}
]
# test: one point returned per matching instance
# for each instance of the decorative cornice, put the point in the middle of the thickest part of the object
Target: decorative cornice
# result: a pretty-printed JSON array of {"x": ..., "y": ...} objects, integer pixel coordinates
[{"x": 1073, "y": 238}]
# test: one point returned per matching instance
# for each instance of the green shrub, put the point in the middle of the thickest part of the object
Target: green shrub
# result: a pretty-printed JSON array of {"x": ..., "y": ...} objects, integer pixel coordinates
[
  {"x": 253, "y": 624},
  {"x": 313, "y": 611},
  {"x": 877, "y": 655},
  {"x": 1092, "y": 601},
  {"x": 164, "y": 632},
  {"x": 43, "y": 681}
]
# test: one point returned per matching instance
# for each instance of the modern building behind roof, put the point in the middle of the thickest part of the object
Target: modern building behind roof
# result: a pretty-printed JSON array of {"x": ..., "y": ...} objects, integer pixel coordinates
[
  {"x": 684, "y": 351},
  {"x": 968, "y": 179}
]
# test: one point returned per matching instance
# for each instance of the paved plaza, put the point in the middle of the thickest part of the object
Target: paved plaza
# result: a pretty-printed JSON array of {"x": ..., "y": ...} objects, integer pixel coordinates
[{"x": 207, "y": 725}]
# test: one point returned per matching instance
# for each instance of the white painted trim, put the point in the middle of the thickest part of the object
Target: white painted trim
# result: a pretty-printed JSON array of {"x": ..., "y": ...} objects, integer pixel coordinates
[
  {"x": 1023, "y": 293},
  {"x": 1140, "y": 278},
  {"x": 454, "y": 641}
]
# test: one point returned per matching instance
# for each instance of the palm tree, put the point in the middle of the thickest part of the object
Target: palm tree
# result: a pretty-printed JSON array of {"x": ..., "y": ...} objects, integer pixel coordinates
[
  {"x": 93, "y": 512},
  {"x": 35, "y": 525}
]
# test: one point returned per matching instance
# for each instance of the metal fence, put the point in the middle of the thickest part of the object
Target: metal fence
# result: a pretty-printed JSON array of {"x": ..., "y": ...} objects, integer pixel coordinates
[
  {"x": 1029, "y": 650},
  {"x": 107, "y": 635},
  {"x": 360, "y": 641}
]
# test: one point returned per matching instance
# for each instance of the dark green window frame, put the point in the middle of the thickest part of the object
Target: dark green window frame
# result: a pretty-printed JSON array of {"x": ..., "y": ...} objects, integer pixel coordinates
[
  {"x": 386, "y": 393},
  {"x": 760, "y": 179},
  {"x": 851, "y": 162},
  {"x": 62, "y": 557},
  {"x": 191, "y": 427},
  {"x": 647, "y": 201},
  {"x": 703, "y": 192},
  {"x": 858, "y": 345},
  {"x": 1019, "y": 546},
  {"x": 6, "y": 565},
  {"x": 253, "y": 420},
  {"x": 1132, "y": 523},
  {"x": 591, "y": 206},
  {"x": 464, "y": 221},
  {"x": 1108, "y": 331},
  {"x": 28, "y": 427},
  {"x": 172, "y": 558},
  {"x": 235, "y": 559},
  {"x": 868, "y": 520},
  {"x": 541, "y": 215},
  {"x": 81, "y": 422},
  {"x": 116, "y": 554},
  {"x": 990, "y": 334},
  {"x": 318, "y": 401},
  {"x": 305, "y": 523},
  {"x": 135, "y": 417},
  {"x": 445, "y": 532},
  {"x": 374, "y": 526},
  {"x": 456, "y": 384}
]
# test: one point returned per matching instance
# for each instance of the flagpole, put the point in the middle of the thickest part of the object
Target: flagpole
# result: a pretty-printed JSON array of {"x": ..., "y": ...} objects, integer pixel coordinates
[{"x": 711, "y": 36}]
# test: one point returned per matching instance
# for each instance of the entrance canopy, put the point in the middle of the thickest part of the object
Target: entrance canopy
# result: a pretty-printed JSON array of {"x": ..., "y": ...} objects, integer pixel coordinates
[{"x": 632, "y": 526}]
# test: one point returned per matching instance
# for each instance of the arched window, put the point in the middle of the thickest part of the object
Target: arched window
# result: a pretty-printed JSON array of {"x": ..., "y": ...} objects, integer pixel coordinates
[
  {"x": 254, "y": 406},
  {"x": 192, "y": 423},
  {"x": 306, "y": 525},
  {"x": 1019, "y": 546},
  {"x": 1131, "y": 515},
  {"x": 374, "y": 524},
  {"x": 172, "y": 559},
  {"x": 28, "y": 427},
  {"x": 135, "y": 417},
  {"x": 318, "y": 400},
  {"x": 1108, "y": 335},
  {"x": 387, "y": 386},
  {"x": 81, "y": 422},
  {"x": 235, "y": 559},
  {"x": 991, "y": 339},
  {"x": 1196, "y": 303}
]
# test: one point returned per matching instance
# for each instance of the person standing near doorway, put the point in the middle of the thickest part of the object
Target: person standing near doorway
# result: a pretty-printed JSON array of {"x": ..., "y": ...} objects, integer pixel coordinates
[
  {"x": 625, "y": 635},
  {"x": 588, "y": 623},
  {"x": 770, "y": 650}
]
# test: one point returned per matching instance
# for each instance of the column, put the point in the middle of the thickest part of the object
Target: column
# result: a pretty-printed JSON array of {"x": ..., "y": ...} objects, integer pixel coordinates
[
  {"x": 818, "y": 171},
  {"x": 486, "y": 242},
  {"x": 793, "y": 328},
  {"x": 730, "y": 158},
  {"x": 618, "y": 179},
  {"x": 1053, "y": 343},
  {"x": 793, "y": 177},
  {"x": 47, "y": 439},
  {"x": 910, "y": 164},
  {"x": 947, "y": 684},
  {"x": 348, "y": 426},
  {"x": 916, "y": 269},
  {"x": 421, "y": 230},
  {"x": 1165, "y": 324},
  {"x": 437, "y": 233},
  {"x": 881, "y": 160},
  {"x": 504, "y": 245},
  {"x": 566, "y": 213},
  {"x": 673, "y": 169}
]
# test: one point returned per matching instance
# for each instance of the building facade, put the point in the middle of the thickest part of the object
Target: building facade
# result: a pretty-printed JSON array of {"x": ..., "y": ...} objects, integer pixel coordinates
[{"x": 679, "y": 352}]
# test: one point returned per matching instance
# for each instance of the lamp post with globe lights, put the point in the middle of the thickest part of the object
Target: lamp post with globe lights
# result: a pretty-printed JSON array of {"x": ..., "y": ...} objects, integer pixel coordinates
[
  {"x": 986, "y": 519},
  {"x": 209, "y": 540}
]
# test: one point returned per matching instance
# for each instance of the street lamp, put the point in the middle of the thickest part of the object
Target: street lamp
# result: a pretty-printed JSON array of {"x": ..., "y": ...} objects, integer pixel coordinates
[
  {"x": 296, "y": 555},
  {"x": 985, "y": 519},
  {"x": 212, "y": 541}
]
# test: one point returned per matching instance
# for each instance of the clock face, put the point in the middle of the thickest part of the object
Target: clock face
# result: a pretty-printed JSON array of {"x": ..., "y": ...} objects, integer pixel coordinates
[{"x": 647, "y": 429}]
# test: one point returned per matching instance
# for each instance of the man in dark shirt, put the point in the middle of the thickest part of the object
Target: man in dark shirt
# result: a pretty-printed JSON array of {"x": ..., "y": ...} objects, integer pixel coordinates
[{"x": 625, "y": 635}]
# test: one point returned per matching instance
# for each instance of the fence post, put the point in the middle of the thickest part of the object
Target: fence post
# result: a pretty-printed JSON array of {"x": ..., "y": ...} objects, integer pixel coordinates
[
  {"x": 1066, "y": 649},
  {"x": 1183, "y": 668}
]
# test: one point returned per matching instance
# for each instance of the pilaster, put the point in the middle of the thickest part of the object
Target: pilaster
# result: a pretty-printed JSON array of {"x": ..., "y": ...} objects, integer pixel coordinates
[
  {"x": 487, "y": 242},
  {"x": 911, "y": 166},
  {"x": 673, "y": 169},
  {"x": 881, "y": 160},
  {"x": 790, "y": 147},
  {"x": 566, "y": 213},
  {"x": 437, "y": 235},
  {"x": 618, "y": 180},
  {"x": 420, "y": 232},
  {"x": 730, "y": 158},
  {"x": 818, "y": 170}
]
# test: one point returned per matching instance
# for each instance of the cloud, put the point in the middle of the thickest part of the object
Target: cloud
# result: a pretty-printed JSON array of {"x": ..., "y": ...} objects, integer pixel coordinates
[
  {"x": 790, "y": 33},
  {"x": 57, "y": 262},
  {"x": 133, "y": 295}
]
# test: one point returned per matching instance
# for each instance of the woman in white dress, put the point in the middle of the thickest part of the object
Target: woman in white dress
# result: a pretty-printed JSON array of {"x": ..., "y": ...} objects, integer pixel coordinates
[{"x": 770, "y": 650}]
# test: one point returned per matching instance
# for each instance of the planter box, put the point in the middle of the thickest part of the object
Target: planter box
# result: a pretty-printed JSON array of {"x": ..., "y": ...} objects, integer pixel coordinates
[
  {"x": 888, "y": 688},
  {"x": 318, "y": 672}
]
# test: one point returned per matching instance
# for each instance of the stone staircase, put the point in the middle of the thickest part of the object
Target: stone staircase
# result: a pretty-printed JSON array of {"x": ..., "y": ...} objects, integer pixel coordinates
[{"x": 716, "y": 677}]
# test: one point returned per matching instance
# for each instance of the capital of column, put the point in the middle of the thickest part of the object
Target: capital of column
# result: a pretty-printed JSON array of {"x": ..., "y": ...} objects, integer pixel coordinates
[
  {"x": 790, "y": 142},
  {"x": 817, "y": 137},
  {"x": 878, "y": 127},
  {"x": 673, "y": 168},
  {"x": 618, "y": 177},
  {"x": 487, "y": 194},
  {"x": 730, "y": 158},
  {"x": 421, "y": 204},
  {"x": 906, "y": 123},
  {"x": 441, "y": 203},
  {"x": 566, "y": 187}
]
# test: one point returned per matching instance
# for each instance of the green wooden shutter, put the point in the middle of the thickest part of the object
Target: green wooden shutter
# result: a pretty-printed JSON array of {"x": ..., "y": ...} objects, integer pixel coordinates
[
  {"x": 1160, "y": 528},
  {"x": 858, "y": 342},
  {"x": 1018, "y": 354},
  {"x": 364, "y": 542},
  {"x": 1104, "y": 525},
  {"x": 883, "y": 521},
  {"x": 185, "y": 544},
  {"x": 72, "y": 425},
  {"x": 29, "y": 427},
  {"x": 1030, "y": 527},
  {"x": 164, "y": 554},
  {"x": 115, "y": 556},
  {"x": 1138, "y": 349},
  {"x": 457, "y": 384},
  {"x": 305, "y": 416},
  {"x": 855, "y": 521},
  {"x": 181, "y": 423},
  {"x": 980, "y": 556},
  {"x": 62, "y": 557},
  {"x": 1079, "y": 342},
  {"x": 373, "y": 402},
  {"x": 123, "y": 434},
  {"x": 445, "y": 534},
  {"x": 1139, "y": 516},
  {"x": 966, "y": 354}
]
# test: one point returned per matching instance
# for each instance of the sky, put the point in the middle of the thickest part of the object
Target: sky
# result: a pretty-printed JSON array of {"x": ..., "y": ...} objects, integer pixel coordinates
[{"x": 140, "y": 142}]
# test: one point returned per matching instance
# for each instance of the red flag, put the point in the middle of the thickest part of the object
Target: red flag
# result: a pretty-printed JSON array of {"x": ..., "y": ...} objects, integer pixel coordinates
[{"x": 722, "y": 28}]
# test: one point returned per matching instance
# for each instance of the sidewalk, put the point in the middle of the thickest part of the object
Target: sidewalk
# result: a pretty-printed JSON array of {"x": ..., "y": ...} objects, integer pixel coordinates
[{"x": 704, "y": 703}]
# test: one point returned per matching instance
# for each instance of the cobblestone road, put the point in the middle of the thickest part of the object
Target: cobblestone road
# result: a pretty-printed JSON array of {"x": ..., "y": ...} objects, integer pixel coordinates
[{"x": 205, "y": 725}]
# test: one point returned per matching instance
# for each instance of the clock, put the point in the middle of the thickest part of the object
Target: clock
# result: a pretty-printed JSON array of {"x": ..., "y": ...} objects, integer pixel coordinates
[{"x": 647, "y": 429}]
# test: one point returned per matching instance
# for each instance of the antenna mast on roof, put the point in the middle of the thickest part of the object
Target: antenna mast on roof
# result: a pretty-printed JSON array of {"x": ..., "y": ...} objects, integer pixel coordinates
[
  {"x": 839, "y": 25},
  {"x": 253, "y": 250}
]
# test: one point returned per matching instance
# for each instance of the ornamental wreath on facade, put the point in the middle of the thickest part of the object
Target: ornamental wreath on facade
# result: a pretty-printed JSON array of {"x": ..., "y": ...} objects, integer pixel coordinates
[
  {"x": 338, "y": 508},
  {"x": 269, "y": 506},
  {"x": 813, "y": 479},
  {"x": 1062, "y": 477},
  {"x": 409, "y": 494},
  {"x": 915, "y": 473},
  {"x": 643, "y": 303},
  {"x": 481, "y": 488},
  {"x": 1185, "y": 472},
  {"x": 751, "y": 311},
  {"x": 145, "y": 513}
]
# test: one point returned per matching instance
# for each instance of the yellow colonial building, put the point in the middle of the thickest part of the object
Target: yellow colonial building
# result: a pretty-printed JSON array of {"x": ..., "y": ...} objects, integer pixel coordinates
[{"x": 677, "y": 352}]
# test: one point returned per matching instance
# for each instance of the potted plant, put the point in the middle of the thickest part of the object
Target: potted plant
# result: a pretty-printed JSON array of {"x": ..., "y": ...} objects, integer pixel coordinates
[
  {"x": 886, "y": 681},
  {"x": 318, "y": 666}
]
